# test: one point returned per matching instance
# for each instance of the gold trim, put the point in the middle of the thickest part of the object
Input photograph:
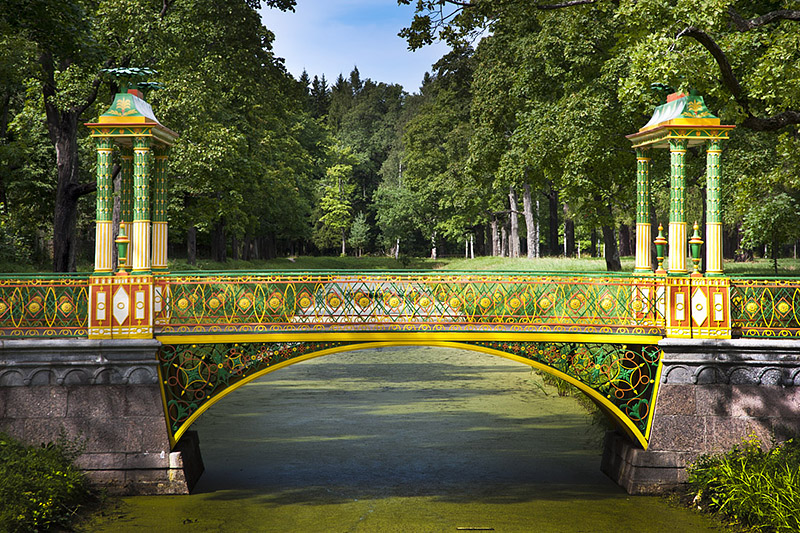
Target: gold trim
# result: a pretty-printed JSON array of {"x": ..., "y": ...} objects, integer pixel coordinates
[{"x": 411, "y": 336}]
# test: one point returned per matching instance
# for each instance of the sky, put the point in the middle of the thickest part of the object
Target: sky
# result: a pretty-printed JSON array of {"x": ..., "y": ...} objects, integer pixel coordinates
[{"x": 332, "y": 36}]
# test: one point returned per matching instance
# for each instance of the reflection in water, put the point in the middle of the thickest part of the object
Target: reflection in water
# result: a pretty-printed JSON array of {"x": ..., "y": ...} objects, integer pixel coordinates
[{"x": 401, "y": 439}]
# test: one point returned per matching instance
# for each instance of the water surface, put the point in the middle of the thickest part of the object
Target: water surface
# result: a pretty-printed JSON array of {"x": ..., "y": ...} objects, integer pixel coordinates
[{"x": 401, "y": 439}]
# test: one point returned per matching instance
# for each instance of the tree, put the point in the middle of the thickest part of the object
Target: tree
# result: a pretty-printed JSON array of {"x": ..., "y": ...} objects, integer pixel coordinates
[
  {"x": 359, "y": 233},
  {"x": 772, "y": 222},
  {"x": 69, "y": 43},
  {"x": 335, "y": 203}
]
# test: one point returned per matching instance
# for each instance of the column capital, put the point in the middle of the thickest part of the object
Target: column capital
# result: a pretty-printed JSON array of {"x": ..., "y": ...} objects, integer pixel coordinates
[{"x": 678, "y": 145}]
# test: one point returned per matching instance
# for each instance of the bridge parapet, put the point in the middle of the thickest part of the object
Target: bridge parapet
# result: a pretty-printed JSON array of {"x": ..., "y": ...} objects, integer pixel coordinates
[{"x": 411, "y": 301}]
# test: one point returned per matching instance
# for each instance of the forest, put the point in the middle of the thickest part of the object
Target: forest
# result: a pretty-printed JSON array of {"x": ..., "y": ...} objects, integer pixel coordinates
[{"x": 514, "y": 145}]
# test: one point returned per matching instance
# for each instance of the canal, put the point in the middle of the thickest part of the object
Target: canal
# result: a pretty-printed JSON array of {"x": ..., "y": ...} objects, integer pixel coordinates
[{"x": 405, "y": 439}]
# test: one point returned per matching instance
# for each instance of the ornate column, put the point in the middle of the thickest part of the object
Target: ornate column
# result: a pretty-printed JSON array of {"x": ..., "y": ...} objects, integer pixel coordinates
[
  {"x": 103, "y": 232},
  {"x": 126, "y": 196},
  {"x": 644, "y": 264},
  {"x": 160, "y": 209},
  {"x": 141, "y": 206},
  {"x": 713, "y": 214},
  {"x": 677, "y": 207}
]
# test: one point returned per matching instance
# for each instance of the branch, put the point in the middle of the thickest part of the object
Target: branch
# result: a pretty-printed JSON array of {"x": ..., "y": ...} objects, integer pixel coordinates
[
  {"x": 730, "y": 81},
  {"x": 566, "y": 4},
  {"x": 772, "y": 123},
  {"x": 79, "y": 109},
  {"x": 743, "y": 24},
  {"x": 80, "y": 189},
  {"x": 728, "y": 77}
]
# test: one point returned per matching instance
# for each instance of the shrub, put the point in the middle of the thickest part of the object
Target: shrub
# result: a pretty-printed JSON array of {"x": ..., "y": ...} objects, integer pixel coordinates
[
  {"x": 40, "y": 488},
  {"x": 751, "y": 486}
]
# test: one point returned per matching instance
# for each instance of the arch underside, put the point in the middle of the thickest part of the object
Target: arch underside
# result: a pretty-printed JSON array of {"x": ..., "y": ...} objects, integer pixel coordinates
[{"x": 618, "y": 375}]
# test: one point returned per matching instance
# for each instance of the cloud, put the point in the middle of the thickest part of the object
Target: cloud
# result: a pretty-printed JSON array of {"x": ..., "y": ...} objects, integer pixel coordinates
[{"x": 332, "y": 36}]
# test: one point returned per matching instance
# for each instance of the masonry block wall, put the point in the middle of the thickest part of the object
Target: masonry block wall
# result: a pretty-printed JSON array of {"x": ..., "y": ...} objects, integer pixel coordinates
[
  {"x": 712, "y": 395},
  {"x": 104, "y": 394}
]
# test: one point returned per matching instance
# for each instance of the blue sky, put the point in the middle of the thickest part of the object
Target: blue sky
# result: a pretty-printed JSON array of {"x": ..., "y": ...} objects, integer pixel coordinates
[{"x": 331, "y": 36}]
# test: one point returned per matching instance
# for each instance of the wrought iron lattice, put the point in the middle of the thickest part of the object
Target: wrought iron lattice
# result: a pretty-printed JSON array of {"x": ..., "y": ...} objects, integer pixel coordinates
[
  {"x": 195, "y": 375},
  {"x": 44, "y": 306},
  {"x": 767, "y": 308},
  {"x": 410, "y": 302}
]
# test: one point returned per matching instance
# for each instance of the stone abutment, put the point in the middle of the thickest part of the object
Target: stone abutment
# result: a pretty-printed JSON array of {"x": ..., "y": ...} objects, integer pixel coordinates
[
  {"x": 104, "y": 394},
  {"x": 712, "y": 395}
]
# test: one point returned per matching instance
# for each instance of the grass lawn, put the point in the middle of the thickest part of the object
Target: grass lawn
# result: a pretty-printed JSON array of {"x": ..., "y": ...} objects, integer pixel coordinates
[{"x": 759, "y": 267}]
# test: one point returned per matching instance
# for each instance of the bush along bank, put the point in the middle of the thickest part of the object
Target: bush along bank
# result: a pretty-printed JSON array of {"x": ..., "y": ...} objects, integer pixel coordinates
[
  {"x": 750, "y": 485},
  {"x": 40, "y": 487}
]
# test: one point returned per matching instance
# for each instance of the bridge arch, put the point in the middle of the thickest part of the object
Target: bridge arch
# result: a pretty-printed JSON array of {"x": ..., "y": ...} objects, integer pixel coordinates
[{"x": 621, "y": 379}]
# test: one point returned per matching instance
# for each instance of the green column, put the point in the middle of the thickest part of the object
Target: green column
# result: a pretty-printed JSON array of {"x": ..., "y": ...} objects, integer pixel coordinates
[
  {"x": 141, "y": 205},
  {"x": 644, "y": 263},
  {"x": 126, "y": 194},
  {"x": 104, "y": 208},
  {"x": 160, "y": 209},
  {"x": 677, "y": 207},
  {"x": 713, "y": 212}
]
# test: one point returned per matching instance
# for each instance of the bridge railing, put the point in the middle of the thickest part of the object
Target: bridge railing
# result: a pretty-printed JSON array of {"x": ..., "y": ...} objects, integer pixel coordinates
[
  {"x": 766, "y": 307},
  {"x": 409, "y": 301},
  {"x": 40, "y": 305}
]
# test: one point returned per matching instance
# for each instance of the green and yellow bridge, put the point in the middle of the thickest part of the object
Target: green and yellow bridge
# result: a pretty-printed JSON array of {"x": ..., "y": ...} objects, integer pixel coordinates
[{"x": 681, "y": 361}]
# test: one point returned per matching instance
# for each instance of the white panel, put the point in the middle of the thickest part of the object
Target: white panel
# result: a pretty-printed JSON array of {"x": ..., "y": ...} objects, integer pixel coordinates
[
  {"x": 121, "y": 305},
  {"x": 680, "y": 306},
  {"x": 100, "y": 311},
  {"x": 719, "y": 307},
  {"x": 139, "y": 299}
]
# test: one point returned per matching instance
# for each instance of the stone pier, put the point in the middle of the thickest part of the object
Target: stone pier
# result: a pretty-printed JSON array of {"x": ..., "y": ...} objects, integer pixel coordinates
[
  {"x": 712, "y": 394},
  {"x": 105, "y": 394}
]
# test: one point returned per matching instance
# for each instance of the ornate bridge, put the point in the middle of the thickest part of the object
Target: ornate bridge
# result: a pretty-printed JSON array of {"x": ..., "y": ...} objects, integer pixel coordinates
[
  {"x": 683, "y": 363},
  {"x": 598, "y": 332}
]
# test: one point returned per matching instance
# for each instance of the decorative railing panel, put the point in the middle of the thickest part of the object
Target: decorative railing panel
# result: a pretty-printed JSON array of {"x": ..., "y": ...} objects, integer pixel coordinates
[
  {"x": 766, "y": 307},
  {"x": 43, "y": 306},
  {"x": 350, "y": 301},
  {"x": 623, "y": 378}
]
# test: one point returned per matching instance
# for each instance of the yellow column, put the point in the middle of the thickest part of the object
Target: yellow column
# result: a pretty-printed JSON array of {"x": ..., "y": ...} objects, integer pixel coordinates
[
  {"x": 160, "y": 225},
  {"x": 713, "y": 213},
  {"x": 141, "y": 206},
  {"x": 103, "y": 229},
  {"x": 644, "y": 263}
]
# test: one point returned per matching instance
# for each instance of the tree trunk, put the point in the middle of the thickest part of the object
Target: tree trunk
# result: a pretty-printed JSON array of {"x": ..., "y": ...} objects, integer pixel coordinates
[
  {"x": 480, "y": 239},
  {"x": 530, "y": 224},
  {"x": 569, "y": 233},
  {"x": 496, "y": 241},
  {"x": 513, "y": 218},
  {"x": 593, "y": 244},
  {"x": 219, "y": 242},
  {"x": 613, "y": 263},
  {"x": 434, "y": 254},
  {"x": 66, "y": 208},
  {"x": 191, "y": 245},
  {"x": 234, "y": 248},
  {"x": 397, "y": 249},
  {"x": 344, "y": 242},
  {"x": 625, "y": 240},
  {"x": 552, "y": 237},
  {"x": 503, "y": 240},
  {"x": 62, "y": 128}
]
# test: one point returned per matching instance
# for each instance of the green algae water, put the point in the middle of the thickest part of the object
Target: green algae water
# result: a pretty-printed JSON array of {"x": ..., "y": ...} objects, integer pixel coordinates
[{"x": 403, "y": 439}]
